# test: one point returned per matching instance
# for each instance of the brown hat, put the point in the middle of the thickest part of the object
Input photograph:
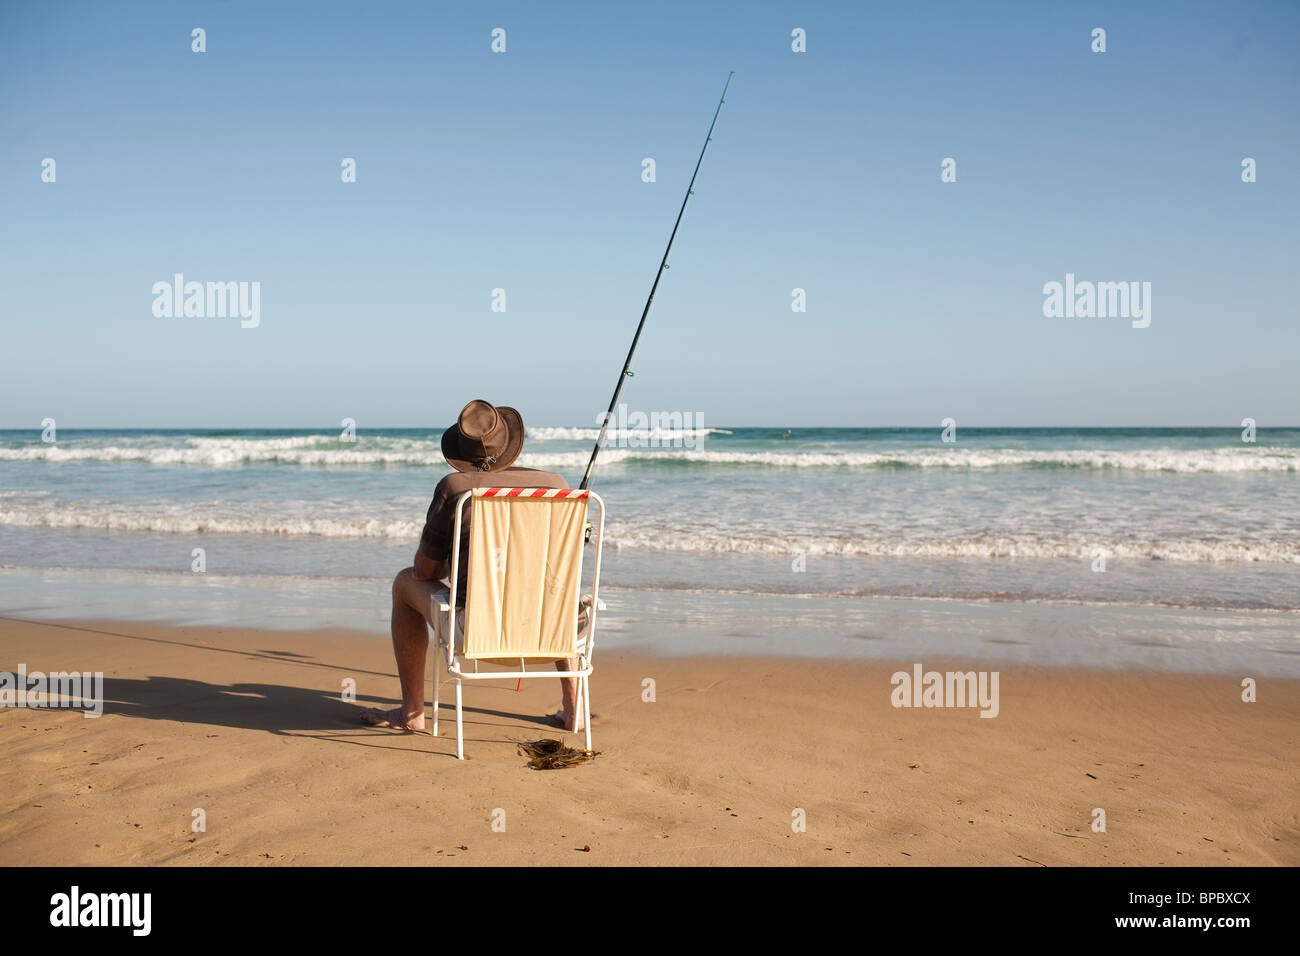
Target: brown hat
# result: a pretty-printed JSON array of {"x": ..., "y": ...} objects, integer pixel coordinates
[{"x": 486, "y": 437}]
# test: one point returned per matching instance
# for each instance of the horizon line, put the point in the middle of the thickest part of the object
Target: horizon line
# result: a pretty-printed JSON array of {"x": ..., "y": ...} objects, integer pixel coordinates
[{"x": 359, "y": 429}]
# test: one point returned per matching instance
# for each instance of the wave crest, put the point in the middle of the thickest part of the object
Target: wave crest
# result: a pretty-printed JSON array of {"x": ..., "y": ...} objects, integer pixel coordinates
[
  {"x": 219, "y": 518},
  {"x": 328, "y": 452}
]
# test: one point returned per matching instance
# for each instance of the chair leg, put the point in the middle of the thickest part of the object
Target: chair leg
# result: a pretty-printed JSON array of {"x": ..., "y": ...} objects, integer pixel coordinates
[
  {"x": 437, "y": 686},
  {"x": 460, "y": 745},
  {"x": 585, "y": 690}
]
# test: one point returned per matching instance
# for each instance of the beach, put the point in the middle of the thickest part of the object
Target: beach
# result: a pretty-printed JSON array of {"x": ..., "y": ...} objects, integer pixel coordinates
[{"x": 248, "y": 727}]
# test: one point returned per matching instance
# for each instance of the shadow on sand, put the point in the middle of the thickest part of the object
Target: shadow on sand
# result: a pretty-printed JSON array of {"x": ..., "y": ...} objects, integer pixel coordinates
[{"x": 280, "y": 709}]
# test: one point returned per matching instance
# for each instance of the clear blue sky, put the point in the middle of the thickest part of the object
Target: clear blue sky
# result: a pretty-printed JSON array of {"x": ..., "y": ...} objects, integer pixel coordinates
[{"x": 522, "y": 171}]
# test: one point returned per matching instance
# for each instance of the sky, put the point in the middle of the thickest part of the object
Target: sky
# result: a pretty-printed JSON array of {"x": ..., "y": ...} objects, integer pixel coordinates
[{"x": 522, "y": 171}]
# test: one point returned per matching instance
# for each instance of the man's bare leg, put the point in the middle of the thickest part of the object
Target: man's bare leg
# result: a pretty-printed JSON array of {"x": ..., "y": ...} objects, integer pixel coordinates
[
  {"x": 411, "y": 604},
  {"x": 411, "y": 607},
  {"x": 567, "y": 715}
]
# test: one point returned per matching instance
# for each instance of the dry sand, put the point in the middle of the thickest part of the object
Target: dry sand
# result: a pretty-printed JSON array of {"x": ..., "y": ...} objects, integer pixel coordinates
[{"x": 250, "y": 727}]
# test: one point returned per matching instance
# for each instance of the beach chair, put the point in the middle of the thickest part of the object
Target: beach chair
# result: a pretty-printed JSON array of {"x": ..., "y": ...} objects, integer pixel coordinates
[{"x": 523, "y": 593}]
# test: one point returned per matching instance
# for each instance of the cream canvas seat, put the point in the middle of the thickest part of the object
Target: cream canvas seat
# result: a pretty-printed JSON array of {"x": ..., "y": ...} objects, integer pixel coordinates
[{"x": 523, "y": 592}]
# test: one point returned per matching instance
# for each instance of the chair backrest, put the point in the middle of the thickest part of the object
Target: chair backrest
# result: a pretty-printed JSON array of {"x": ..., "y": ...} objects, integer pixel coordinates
[{"x": 525, "y": 573}]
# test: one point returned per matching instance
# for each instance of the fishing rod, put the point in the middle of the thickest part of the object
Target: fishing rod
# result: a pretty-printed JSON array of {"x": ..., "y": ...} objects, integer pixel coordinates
[{"x": 663, "y": 264}]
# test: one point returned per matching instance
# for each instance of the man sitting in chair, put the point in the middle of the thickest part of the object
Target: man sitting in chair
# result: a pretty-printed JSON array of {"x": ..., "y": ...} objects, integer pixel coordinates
[{"x": 481, "y": 446}]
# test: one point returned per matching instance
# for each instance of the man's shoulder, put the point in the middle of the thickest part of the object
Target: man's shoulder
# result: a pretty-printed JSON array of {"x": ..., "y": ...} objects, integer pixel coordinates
[
  {"x": 459, "y": 482},
  {"x": 528, "y": 478}
]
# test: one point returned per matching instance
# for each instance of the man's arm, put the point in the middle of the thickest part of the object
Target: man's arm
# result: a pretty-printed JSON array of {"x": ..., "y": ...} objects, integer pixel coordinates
[
  {"x": 428, "y": 569},
  {"x": 434, "y": 539}
]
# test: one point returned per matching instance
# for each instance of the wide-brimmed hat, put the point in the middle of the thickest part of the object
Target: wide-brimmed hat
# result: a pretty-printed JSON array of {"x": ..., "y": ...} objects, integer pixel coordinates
[{"x": 486, "y": 437}]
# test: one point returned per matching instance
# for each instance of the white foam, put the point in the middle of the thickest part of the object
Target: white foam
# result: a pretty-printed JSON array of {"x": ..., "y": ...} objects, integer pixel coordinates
[
  {"x": 300, "y": 518},
  {"x": 1023, "y": 547},
  {"x": 227, "y": 452},
  {"x": 328, "y": 451},
  {"x": 191, "y": 521},
  {"x": 1216, "y": 461}
]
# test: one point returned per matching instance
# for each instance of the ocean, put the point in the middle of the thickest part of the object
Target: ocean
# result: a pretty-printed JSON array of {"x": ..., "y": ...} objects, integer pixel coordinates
[{"x": 828, "y": 541}]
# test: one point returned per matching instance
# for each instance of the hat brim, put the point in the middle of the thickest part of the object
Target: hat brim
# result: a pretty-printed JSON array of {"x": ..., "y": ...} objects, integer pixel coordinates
[{"x": 514, "y": 423}]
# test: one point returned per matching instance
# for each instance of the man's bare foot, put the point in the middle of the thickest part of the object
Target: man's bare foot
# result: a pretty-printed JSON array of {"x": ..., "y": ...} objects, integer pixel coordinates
[
  {"x": 561, "y": 719},
  {"x": 394, "y": 718}
]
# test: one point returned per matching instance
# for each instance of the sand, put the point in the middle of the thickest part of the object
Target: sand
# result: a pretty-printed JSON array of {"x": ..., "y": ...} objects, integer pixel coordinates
[{"x": 249, "y": 727}]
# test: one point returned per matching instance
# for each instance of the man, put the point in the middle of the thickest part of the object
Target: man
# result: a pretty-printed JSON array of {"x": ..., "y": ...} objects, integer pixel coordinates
[{"x": 482, "y": 446}]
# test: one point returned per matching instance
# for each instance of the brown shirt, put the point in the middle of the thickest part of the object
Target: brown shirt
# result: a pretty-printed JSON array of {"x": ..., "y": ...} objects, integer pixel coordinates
[{"x": 435, "y": 542}]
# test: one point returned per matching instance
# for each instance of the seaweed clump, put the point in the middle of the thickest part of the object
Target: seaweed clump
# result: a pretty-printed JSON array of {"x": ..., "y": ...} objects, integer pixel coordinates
[{"x": 553, "y": 755}]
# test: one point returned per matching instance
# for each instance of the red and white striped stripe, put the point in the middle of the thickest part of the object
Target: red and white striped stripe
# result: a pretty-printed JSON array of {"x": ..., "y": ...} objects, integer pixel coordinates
[{"x": 530, "y": 492}]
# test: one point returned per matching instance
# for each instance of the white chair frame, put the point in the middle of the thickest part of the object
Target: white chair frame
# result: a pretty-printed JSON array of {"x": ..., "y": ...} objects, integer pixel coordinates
[{"x": 444, "y": 617}]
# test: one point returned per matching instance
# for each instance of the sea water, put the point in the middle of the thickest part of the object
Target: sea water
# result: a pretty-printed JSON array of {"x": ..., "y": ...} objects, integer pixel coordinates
[{"x": 1116, "y": 547}]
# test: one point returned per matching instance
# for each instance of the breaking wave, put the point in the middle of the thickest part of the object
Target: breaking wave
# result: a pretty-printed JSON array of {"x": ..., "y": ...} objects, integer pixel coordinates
[
  {"x": 230, "y": 518},
  {"x": 328, "y": 452}
]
